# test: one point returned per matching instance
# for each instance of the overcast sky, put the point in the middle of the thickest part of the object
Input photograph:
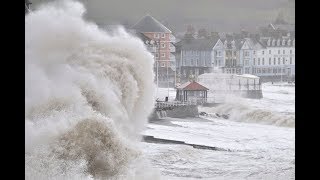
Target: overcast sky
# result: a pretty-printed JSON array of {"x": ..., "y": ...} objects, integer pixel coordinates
[{"x": 215, "y": 15}]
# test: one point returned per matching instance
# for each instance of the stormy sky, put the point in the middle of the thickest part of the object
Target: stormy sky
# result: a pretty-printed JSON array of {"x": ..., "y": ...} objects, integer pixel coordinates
[{"x": 215, "y": 15}]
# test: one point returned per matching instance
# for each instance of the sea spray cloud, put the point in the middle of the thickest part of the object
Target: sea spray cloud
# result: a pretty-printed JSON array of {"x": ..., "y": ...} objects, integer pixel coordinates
[{"x": 87, "y": 96}]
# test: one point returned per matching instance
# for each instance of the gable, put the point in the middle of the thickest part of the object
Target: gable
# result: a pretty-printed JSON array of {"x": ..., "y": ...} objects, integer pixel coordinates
[
  {"x": 218, "y": 45},
  {"x": 245, "y": 45}
]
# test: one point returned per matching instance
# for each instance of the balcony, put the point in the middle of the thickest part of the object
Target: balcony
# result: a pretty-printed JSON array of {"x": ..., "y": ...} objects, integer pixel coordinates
[
  {"x": 173, "y": 65},
  {"x": 151, "y": 48},
  {"x": 172, "y": 48},
  {"x": 172, "y": 57},
  {"x": 172, "y": 38}
]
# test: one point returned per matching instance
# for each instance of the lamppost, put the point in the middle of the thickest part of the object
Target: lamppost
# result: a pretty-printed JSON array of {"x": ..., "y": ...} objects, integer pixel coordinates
[{"x": 168, "y": 76}]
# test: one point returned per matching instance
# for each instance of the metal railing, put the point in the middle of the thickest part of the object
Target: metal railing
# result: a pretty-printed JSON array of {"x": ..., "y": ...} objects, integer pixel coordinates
[
  {"x": 172, "y": 38},
  {"x": 172, "y": 48},
  {"x": 174, "y": 104}
]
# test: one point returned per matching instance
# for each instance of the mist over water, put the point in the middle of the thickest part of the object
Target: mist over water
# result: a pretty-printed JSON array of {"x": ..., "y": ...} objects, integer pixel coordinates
[
  {"x": 242, "y": 112},
  {"x": 87, "y": 96}
]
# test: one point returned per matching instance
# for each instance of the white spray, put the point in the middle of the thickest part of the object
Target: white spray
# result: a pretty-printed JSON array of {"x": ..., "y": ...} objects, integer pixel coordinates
[{"x": 87, "y": 96}]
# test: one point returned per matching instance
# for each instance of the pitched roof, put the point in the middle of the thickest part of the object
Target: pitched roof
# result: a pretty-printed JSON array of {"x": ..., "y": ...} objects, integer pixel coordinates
[
  {"x": 192, "y": 86},
  {"x": 197, "y": 44},
  {"x": 150, "y": 24},
  {"x": 287, "y": 27},
  {"x": 143, "y": 37},
  {"x": 254, "y": 43},
  {"x": 264, "y": 41},
  {"x": 237, "y": 42}
]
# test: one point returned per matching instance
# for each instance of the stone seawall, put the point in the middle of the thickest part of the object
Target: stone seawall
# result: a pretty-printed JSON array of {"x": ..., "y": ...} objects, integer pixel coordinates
[{"x": 176, "y": 112}]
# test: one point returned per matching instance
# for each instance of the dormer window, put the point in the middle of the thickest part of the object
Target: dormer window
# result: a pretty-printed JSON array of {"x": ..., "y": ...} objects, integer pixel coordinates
[
  {"x": 289, "y": 42},
  {"x": 273, "y": 42},
  {"x": 233, "y": 44},
  {"x": 163, "y": 35},
  {"x": 268, "y": 43},
  {"x": 283, "y": 42},
  {"x": 278, "y": 42}
]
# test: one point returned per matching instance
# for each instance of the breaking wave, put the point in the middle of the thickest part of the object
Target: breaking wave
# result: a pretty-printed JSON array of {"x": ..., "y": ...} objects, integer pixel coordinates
[
  {"x": 244, "y": 113},
  {"x": 87, "y": 96}
]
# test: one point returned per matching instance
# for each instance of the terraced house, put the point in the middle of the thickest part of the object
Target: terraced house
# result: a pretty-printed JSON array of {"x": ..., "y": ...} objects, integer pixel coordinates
[
  {"x": 196, "y": 57},
  {"x": 233, "y": 64},
  {"x": 278, "y": 60}
]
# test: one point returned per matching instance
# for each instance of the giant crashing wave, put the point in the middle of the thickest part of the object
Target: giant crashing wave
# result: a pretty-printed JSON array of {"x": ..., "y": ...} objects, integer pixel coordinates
[{"x": 88, "y": 94}]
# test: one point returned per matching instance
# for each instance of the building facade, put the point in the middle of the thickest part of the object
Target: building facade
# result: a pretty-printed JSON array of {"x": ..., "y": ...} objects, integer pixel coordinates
[
  {"x": 276, "y": 61},
  {"x": 218, "y": 55},
  {"x": 162, "y": 48},
  {"x": 195, "y": 57},
  {"x": 232, "y": 63}
]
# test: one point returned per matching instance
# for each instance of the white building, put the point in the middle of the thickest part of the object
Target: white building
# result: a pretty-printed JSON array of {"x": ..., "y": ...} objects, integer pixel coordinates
[
  {"x": 276, "y": 59},
  {"x": 218, "y": 55}
]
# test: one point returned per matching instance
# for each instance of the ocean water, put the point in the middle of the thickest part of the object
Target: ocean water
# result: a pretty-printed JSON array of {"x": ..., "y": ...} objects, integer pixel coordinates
[
  {"x": 88, "y": 94},
  {"x": 256, "y": 142}
]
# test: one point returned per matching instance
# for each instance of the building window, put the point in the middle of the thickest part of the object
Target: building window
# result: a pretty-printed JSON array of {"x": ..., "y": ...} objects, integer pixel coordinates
[
  {"x": 246, "y": 62},
  {"x": 157, "y": 55},
  {"x": 258, "y": 61},
  {"x": 290, "y": 60},
  {"x": 163, "y": 54},
  {"x": 219, "y": 53},
  {"x": 254, "y": 61},
  {"x": 258, "y": 70},
  {"x": 262, "y": 52},
  {"x": 254, "y": 52},
  {"x": 163, "y": 45},
  {"x": 198, "y": 62},
  {"x": 156, "y": 35},
  {"x": 284, "y": 51},
  {"x": 269, "y": 61},
  {"x": 290, "y": 51},
  {"x": 283, "y": 61},
  {"x": 274, "y": 61},
  {"x": 163, "y": 64},
  {"x": 246, "y": 53},
  {"x": 191, "y": 62},
  {"x": 269, "y": 51},
  {"x": 279, "y": 61},
  {"x": 163, "y": 35},
  {"x": 279, "y": 51},
  {"x": 262, "y": 61}
]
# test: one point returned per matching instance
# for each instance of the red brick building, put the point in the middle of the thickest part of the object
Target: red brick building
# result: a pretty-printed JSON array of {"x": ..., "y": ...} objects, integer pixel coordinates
[{"x": 162, "y": 49}]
